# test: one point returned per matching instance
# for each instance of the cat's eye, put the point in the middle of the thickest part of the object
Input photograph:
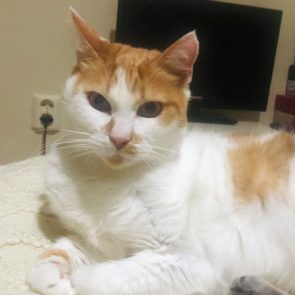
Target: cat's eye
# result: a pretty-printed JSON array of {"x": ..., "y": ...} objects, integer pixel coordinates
[
  {"x": 99, "y": 102},
  {"x": 150, "y": 109}
]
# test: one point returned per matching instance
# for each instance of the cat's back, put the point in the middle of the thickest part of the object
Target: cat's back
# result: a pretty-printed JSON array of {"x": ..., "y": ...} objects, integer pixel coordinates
[
  {"x": 257, "y": 166},
  {"x": 262, "y": 167},
  {"x": 245, "y": 210},
  {"x": 263, "y": 191}
]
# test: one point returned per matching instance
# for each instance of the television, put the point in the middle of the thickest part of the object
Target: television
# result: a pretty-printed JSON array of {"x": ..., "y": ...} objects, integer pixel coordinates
[{"x": 237, "y": 46}]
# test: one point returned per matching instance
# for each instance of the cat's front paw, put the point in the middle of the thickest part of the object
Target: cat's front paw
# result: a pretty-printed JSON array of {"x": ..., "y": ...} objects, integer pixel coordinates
[{"x": 51, "y": 277}]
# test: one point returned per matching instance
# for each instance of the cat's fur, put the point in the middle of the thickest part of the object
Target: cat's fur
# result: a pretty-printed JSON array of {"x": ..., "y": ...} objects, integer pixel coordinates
[{"x": 171, "y": 212}]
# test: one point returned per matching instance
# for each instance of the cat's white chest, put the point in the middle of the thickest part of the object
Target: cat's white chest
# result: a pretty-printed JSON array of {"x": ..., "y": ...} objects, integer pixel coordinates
[
  {"x": 116, "y": 225},
  {"x": 118, "y": 216}
]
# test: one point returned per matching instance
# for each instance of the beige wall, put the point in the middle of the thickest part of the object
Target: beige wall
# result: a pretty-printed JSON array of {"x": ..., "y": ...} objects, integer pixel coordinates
[{"x": 37, "y": 54}]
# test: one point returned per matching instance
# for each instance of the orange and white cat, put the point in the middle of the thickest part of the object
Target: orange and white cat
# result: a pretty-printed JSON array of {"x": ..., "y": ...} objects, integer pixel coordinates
[{"x": 154, "y": 209}]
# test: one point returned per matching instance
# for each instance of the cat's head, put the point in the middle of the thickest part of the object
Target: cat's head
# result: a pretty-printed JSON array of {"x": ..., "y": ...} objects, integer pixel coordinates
[{"x": 131, "y": 101}]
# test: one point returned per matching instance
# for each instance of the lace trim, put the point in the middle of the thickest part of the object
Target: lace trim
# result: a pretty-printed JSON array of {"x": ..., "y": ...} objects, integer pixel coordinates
[{"x": 21, "y": 239}]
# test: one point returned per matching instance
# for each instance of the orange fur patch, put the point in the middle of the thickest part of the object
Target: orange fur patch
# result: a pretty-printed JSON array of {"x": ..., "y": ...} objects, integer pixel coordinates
[
  {"x": 260, "y": 167},
  {"x": 144, "y": 77},
  {"x": 55, "y": 252},
  {"x": 159, "y": 85}
]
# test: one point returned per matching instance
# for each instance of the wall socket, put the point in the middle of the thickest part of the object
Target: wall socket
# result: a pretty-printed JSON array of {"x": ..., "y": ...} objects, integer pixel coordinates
[{"x": 42, "y": 104}]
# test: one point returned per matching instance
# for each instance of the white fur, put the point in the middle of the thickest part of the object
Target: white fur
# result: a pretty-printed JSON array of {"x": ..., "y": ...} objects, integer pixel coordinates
[{"x": 172, "y": 227}]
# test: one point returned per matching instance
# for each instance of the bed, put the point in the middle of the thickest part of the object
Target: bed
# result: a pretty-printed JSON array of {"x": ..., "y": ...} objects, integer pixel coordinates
[{"x": 24, "y": 230}]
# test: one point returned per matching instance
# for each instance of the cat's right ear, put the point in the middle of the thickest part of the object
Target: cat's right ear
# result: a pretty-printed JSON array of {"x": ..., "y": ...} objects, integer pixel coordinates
[
  {"x": 91, "y": 46},
  {"x": 180, "y": 57}
]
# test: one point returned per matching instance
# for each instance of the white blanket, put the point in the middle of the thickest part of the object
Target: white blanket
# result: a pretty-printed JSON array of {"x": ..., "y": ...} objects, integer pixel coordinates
[{"x": 24, "y": 231}]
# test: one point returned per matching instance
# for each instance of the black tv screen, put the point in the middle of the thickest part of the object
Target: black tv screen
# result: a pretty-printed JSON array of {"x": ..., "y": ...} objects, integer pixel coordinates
[{"x": 237, "y": 45}]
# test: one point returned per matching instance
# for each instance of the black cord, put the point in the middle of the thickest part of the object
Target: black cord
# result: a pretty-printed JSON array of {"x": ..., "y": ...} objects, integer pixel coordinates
[{"x": 46, "y": 120}]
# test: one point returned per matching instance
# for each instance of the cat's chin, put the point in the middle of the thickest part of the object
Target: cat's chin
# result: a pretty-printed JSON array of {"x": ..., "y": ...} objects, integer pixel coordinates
[{"x": 118, "y": 162}]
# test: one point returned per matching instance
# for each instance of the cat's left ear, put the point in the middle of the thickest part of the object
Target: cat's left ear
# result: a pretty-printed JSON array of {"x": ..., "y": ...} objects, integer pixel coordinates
[
  {"x": 91, "y": 45},
  {"x": 180, "y": 57}
]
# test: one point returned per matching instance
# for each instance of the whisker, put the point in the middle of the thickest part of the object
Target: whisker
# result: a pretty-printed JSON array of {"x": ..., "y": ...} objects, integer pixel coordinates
[
  {"x": 157, "y": 155},
  {"x": 71, "y": 141},
  {"x": 163, "y": 149},
  {"x": 72, "y": 133},
  {"x": 62, "y": 130},
  {"x": 68, "y": 133},
  {"x": 147, "y": 162},
  {"x": 156, "y": 149},
  {"x": 76, "y": 146},
  {"x": 73, "y": 155},
  {"x": 150, "y": 162},
  {"x": 76, "y": 149}
]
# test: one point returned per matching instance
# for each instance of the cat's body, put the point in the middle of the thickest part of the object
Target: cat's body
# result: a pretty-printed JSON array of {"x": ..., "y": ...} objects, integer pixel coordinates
[
  {"x": 161, "y": 210},
  {"x": 184, "y": 206}
]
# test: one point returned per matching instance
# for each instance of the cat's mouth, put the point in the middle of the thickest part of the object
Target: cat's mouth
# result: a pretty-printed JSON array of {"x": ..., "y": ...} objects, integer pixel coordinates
[
  {"x": 121, "y": 158},
  {"x": 116, "y": 160}
]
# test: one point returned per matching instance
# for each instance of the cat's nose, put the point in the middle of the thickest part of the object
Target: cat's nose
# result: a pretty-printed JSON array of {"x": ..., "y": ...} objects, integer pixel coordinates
[{"x": 119, "y": 142}]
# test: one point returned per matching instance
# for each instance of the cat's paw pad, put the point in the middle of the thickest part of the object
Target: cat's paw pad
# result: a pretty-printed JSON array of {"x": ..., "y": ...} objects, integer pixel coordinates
[
  {"x": 245, "y": 285},
  {"x": 51, "y": 277}
]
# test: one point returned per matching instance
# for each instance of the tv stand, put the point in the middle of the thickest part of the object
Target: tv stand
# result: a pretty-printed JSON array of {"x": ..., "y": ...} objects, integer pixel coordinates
[{"x": 211, "y": 118}]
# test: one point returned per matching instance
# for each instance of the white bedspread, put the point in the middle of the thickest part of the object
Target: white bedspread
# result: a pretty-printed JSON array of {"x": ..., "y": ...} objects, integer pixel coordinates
[{"x": 24, "y": 231}]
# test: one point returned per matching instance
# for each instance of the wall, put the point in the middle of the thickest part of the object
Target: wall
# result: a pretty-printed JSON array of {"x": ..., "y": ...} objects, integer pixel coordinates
[{"x": 37, "y": 54}]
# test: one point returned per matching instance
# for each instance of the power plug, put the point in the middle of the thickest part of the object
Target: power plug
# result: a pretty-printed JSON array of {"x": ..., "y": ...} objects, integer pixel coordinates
[{"x": 46, "y": 120}]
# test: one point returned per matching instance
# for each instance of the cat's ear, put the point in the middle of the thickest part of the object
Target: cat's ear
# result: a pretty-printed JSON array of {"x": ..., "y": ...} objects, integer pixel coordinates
[
  {"x": 179, "y": 58},
  {"x": 91, "y": 45}
]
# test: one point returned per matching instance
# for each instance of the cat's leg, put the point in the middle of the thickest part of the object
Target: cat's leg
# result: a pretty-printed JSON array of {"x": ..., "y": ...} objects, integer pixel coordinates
[
  {"x": 254, "y": 285},
  {"x": 51, "y": 273},
  {"x": 149, "y": 272}
]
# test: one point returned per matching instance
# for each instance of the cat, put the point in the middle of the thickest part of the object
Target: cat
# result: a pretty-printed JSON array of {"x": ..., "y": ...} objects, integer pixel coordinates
[{"x": 150, "y": 207}]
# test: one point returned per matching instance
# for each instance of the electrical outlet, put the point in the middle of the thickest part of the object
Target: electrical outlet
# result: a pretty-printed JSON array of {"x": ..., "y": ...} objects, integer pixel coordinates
[{"x": 42, "y": 104}]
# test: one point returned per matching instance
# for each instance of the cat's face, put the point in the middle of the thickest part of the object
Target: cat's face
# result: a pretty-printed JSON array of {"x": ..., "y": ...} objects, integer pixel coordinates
[{"x": 132, "y": 102}]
